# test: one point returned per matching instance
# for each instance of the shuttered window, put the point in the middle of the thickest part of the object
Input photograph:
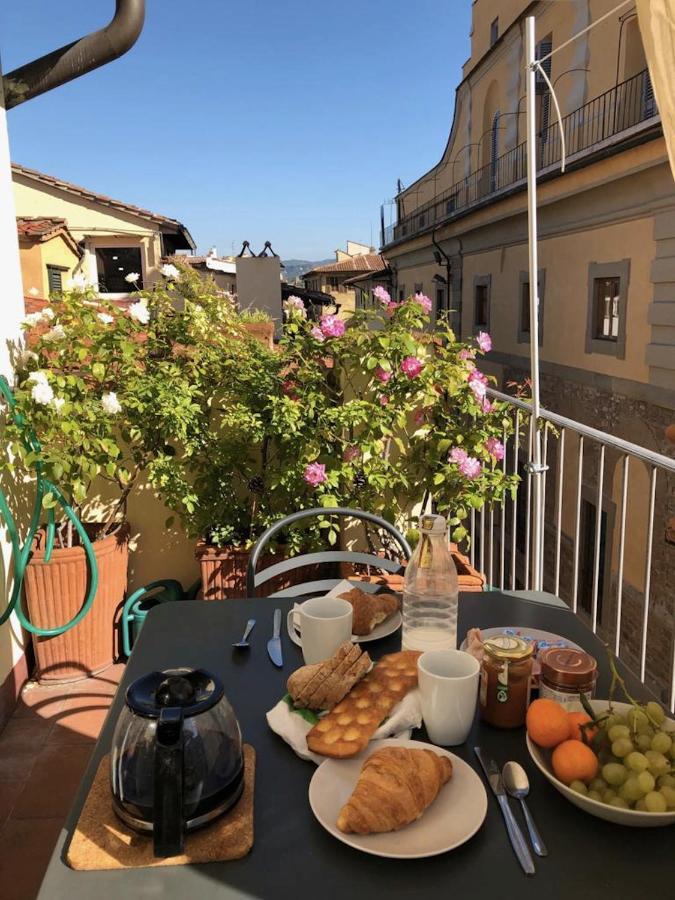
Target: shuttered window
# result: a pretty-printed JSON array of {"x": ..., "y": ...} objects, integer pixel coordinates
[{"x": 55, "y": 278}]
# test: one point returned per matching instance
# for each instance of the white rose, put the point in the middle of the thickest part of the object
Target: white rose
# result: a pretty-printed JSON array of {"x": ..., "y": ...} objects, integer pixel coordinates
[
  {"x": 169, "y": 271},
  {"x": 78, "y": 281},
  {"x": 39, "y": 377},
  {"x": 57, "y": 403},
  {"x": 140, "y": 312},
  {"x": 132, "y": 277},
  {"x": 57, "y": 333},
  {"x": 47, "y": 314},
  {"x": 42, "y": 393},
  {"x": 110, "y": 403},
  {"x": 105, "y": 318}
]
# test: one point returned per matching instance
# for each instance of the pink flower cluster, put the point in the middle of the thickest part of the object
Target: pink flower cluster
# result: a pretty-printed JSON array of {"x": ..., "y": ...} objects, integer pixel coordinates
[
  {"x": 495, "y": 448},
  {"x": 469, "y": 466},
  {"x": 315, "y": 474},
  {"x": 423, "y": 301},
  {"x": 382, "y": 294},
  {"x": 478, "y": 384},
  {"x": 331, "y": 326},
  {"x": 411, "y": 366},
  {"x": 382, "y": 375},
  {"x": 466, "y": 354},
  {"x": 384, "y": 400},
  {"x": 484, "y": 341},
  {"x": 317, "y": 334}
]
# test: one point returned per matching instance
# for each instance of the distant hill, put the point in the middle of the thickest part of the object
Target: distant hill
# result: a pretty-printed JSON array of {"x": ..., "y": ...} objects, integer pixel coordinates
[{"x": 295, "y": 268}]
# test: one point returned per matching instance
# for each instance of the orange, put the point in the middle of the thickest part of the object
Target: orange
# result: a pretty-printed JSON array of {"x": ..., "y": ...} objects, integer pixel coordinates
[
  {"x": 574, "y": 761},
  {"x": 547, "y": 723},
  {"x": 577, "y": 733}
]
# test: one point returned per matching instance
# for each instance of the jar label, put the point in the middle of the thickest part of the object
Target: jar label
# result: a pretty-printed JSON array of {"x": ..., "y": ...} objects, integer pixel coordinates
[
  {"x": 503, "y": 684},
  {"x": 565, "y": 699}
]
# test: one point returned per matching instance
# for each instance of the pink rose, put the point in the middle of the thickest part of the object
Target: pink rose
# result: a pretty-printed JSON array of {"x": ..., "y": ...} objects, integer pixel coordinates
[
  {"x": 423, "y": 301},
  {"x": 318, "y": 334},
  {"x": 484, "y": 341},
  {"x": 351, "y": 453},
  {"x": 457, "y": 455},
  {"x": 331, "y": 326},
  {"x": 478, "y": 384},
  {"x": 384, "y": 399},
  {"x": 470, "y": 467},
  {"x": 412, "y": 366},
  {"x": 382, "y": 294},
  {"x": 487, "y": 406},
  {"x": 466, "y": 354},
  {"x": 495, "y": 448},
  {"x": 391, "y": 307},
  {"x": 315, "y": 474},
  {"x": 382, "y": 375}
]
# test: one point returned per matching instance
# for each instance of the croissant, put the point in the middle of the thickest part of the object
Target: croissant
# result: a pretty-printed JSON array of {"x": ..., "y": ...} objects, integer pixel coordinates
[
  {"x": 394, "y": 788},
  {"x": 369, "y": 609}
]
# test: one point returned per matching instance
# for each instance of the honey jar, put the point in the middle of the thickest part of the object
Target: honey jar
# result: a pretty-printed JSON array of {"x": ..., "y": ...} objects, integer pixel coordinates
[
  {"x": 506, "y": 671},
  {"x": 565, "y": 673}
]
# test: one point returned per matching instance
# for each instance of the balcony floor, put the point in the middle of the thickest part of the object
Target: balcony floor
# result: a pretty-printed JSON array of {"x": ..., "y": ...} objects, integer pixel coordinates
[{"x": 44, "y": 750}]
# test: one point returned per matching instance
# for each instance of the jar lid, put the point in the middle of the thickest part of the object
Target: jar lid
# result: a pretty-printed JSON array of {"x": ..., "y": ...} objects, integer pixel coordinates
[
  {"x": 567, "y": 666},
  {"x": 507, "y": 646}
]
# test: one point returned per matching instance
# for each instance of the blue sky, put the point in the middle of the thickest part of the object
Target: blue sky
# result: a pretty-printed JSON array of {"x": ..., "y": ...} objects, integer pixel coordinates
[{"x": 288, "y": 120}]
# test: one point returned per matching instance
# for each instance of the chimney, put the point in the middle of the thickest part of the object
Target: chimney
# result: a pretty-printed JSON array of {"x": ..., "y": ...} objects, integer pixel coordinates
[{"x": 212, "y": 252}]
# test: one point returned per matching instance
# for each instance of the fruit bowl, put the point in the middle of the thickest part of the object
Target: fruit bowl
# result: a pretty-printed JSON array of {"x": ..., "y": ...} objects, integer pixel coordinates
[{"x": 633, "y": 817}]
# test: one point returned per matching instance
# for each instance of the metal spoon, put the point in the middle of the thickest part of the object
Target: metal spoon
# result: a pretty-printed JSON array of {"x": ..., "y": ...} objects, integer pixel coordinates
[
  {"x": 518, "y": 786},
  {"x": 243, "y": 644}
]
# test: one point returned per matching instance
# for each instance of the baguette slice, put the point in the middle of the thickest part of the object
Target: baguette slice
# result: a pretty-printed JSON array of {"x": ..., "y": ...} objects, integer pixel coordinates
[
  {"x": 343, "y": 679},
  {"x": 304, "y": 681}
]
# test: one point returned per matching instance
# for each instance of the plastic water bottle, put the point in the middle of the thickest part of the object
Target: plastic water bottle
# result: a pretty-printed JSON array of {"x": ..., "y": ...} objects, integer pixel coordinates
[{"x": 430, "y": 591}]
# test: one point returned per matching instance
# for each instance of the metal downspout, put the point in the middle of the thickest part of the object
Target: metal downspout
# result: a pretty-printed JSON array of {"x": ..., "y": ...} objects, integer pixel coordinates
[{"x": 76, "y": 59}]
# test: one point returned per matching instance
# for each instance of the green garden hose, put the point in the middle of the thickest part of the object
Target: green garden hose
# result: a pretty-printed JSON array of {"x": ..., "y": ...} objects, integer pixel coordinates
[{"x": 21, "y": 553}]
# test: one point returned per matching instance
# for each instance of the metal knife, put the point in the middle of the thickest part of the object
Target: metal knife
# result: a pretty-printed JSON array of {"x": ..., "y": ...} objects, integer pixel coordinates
[
  {"x": 274, "y": 643},
  {"x": 494, "y": 777}
]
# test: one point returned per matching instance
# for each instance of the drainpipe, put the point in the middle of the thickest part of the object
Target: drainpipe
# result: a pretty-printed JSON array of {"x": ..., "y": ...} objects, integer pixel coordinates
[
  {"x": 76, "y": 59},
  {"x": 448, "y": 269}
]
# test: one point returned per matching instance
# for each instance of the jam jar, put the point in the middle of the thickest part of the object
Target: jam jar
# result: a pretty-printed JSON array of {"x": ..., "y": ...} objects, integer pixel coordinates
[
  {"x": 505, "y": 676},
  {"x": 565, "y": 673}
]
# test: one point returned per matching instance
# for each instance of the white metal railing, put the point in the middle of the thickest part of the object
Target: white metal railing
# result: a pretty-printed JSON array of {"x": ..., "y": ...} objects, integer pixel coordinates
[{"x": 502, "y": 535}]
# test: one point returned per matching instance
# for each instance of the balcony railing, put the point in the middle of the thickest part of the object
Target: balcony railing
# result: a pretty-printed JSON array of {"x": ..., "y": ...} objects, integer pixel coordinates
[
  {"x": 622, "y": 107},
  {"x": 606, "y": 504}
]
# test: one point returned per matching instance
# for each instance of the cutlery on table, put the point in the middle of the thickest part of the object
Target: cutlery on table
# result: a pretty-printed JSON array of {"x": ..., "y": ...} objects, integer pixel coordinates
[
  {"x": 517, "y": 785},
  {"x": 274, "y": 643},
  {"x": 518, "y": 843},
  {"x": 244, "y": 644}
]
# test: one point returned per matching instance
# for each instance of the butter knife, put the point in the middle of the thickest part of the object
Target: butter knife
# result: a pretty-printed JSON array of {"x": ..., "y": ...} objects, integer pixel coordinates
[
  {"x": 494, "y": 777},
  {"x": 274, "y": 643}
]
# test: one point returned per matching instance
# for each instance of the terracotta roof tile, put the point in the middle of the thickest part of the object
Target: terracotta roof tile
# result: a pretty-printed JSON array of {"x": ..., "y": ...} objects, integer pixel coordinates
[
  {"x": 367, "y": 262},
  {"x": 36, "y": 226}
]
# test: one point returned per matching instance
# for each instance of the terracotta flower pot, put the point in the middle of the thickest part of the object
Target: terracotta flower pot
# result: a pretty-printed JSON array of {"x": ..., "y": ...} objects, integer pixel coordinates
[
  {"x": 55, "y": 592},
  {"x": 470, "y": 579},
  {"x": 262, "y": 332},
  {"x": 223, "y": 571}
]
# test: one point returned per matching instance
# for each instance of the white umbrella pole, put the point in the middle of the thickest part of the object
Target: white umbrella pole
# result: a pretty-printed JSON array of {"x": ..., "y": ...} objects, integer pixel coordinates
[{"x": 535, "y": 467}]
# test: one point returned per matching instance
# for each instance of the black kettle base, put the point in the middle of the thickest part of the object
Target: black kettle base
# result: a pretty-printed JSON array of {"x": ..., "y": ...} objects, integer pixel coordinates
[{"x": 144, "y": 824}]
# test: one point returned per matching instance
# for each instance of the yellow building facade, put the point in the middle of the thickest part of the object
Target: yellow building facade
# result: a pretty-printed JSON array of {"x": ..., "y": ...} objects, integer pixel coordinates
[{"x": 49, "y": 255}]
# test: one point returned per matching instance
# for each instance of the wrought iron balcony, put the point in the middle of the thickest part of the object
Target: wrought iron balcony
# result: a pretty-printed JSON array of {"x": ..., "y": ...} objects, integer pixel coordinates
[{"x": 605, "y": 118}]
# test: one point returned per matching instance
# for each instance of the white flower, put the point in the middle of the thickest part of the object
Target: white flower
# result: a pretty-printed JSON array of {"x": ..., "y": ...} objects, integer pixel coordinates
[
  {"x": 32, "y": 319},
  {"x": 105, "y": 318},
  {"x": 294, "y": 306},
  {"x": 110, "y": 403},
  {"x": 47, "y": 314},
  {"x": 42, "y": 393},
  {"x": 57, "y": 333},
  {"x": 57, "y": 403},
  {"x": 78, "y": 281},
  {"x": 140, "y": 312},
  {"x": 38, "y": 377},
  {"x": 169, "y": 271},
  {"x": 132, "y": 277},
  {"x": 34, "y": 292}
]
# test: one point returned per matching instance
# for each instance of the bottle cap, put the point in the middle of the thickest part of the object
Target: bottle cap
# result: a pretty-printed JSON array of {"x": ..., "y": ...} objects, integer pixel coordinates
[{"x": 431, "y": 524}]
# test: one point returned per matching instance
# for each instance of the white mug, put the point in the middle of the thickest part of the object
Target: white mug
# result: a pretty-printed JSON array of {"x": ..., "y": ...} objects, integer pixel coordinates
[
  {"x": 448, "y": 682},
  {"x": 324, "y": 623}
]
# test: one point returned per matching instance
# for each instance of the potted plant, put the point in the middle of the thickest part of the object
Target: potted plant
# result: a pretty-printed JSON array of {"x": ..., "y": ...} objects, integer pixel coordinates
[
  {"x": 107, "y": 388},
  {"x": 259, "y": 324}
]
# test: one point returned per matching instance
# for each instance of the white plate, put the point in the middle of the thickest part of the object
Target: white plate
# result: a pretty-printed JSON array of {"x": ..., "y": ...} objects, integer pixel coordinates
[
  {"x": 455, "y": 815},
  {"x": 633, "y": 817},
  {"x": 535, "y": 634},
  {"x": 389, "y": 626}
]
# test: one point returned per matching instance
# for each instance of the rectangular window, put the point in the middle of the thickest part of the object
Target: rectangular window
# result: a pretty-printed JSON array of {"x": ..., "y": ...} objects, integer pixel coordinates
[
  {"x": 55, "y": 278},
  {"x": 481, "y": 311},
  {"x": 524, "y": 307},
  {"x": 440, "y": 301},
  {"x": 606, "y": 293},
  {"x": 607, "y": 308},
  {"x": 114, "y": 264},
  {"x": 451, "y": 205},
  {"x": 401, "y": 293},
  {"x": 419, "y": 287},
  {"x": 494, "y": 31}
]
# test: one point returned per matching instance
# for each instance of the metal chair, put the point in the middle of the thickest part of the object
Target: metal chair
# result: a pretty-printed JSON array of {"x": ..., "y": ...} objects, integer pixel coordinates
[{"x": 255, "y": 579}]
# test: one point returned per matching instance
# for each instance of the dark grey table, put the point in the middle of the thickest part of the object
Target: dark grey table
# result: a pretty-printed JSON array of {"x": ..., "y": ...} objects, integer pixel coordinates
[{"x": 293, "y": 857}]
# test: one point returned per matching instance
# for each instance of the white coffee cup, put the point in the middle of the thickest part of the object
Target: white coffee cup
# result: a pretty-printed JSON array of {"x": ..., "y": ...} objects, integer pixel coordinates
[
  {"x": 324, "y": 623},
  {"x": 448, "y": 682}
]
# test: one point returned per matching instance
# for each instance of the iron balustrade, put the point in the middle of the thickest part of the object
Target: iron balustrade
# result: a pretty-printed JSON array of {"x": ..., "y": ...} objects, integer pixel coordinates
[
  {"x": 604, "y": 117},
  {"x": 578, "y": 457}
]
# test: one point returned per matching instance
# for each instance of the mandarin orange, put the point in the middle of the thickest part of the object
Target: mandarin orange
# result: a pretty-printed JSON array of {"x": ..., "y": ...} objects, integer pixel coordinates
[
  {"x": 577, "y": 733},
  {"x": 547, "y": 723},
  {"x": 574, "y": 761}
]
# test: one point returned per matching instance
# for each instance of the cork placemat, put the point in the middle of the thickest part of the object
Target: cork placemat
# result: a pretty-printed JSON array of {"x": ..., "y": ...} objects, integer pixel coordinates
[{"x": 102, "y": 841}]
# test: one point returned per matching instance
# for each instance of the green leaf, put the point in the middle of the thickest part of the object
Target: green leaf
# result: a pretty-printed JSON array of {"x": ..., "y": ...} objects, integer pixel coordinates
[
  {"x": 439, "y": 478},
  {"x": 98, "y": 371},
  {"x": 332, "y": 537},
  {"x": 48, "y": 501}
]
